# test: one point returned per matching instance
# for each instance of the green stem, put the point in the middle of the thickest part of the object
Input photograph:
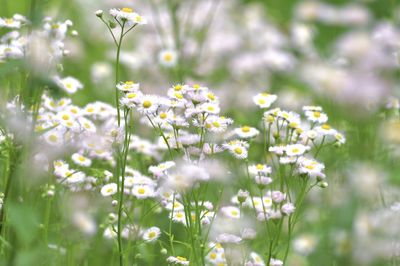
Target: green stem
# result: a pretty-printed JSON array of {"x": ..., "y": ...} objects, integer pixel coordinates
[{"x": 121, "y": 36}]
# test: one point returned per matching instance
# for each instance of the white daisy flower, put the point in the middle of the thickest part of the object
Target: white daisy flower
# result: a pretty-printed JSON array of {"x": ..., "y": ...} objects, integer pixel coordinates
[
  {"x": 316, "y": 117},
  {"x": 246, "y": 132},
  {"x": 260, "y": 169},
  {"x": 10, "y": 52},
  {"x": 262, "y": 180},
  {"x": 275, "y": 262},
  {"x": 312, "y": 108},
  {"x": 288, "y": 208},
  {"x": 54, "y": 137},
  {"x": 237, "y": 148},
  {"x": 217, "y": 123},
  {"x": 264, "y": 100},
  {"x": 68, "y": 84},
  {"x": 178, "y": 260},
  {"x": 168, "y": 58},
  {"x": 151, "y": 234},
  {"x": 148, "y": 104},
  {"x": 179, "y": 217},
  {"x": 161, "y": 168},
  {"x": 326, "y": 129},
  {"x": 10, "y": 23},
  {"x": 109, "y": 189},
  {"x": 128, "y": 86},
  {"x": 81, "y": 160},
  {"x": 231, "y": 212},
  {"x": 128, "y": 16},
  {"x": 74, "y": 177},
  {"x": 210, "y": 108},
  {"x": 143, "y": 191},
  {"x": 296, "y": 149},
  {"x": 340, "y": 138},
  {"x": 131, "y": 99}
]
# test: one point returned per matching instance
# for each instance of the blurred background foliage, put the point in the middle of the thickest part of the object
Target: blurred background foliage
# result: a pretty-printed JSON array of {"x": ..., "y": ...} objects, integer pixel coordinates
[{"x": 332, "y": 222}]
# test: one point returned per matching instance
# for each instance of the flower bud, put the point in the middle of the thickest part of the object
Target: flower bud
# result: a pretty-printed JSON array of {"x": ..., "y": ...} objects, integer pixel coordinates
[
  {"x": 323, "y": 184},
  {"x": 99, "y": 13},
  {"x": 242, "y": 196}
]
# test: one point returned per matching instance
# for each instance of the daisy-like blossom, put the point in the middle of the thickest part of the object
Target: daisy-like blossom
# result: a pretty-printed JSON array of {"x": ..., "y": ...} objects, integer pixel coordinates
[
  {"x": 168, "y": 58},
  {"x": 151, "y": 234},
  {"x": 237, "y": 148},
  {"x": 288, "y": 208},
  {"x": 260, "y": 169},
  {"x": 128, "y": 86},
  {"x": 231, "y": 212},
  {"x": 264, "y": 100},
  {"x": 81, "y": 160},
  {"x": 128, "y": 16},
  {"x": 109, "y": 190},
  {"x": 143, "y": 191},
  {"x": 316, "y": 117},
  {"x": 325, "y": 130},
  {"x": 275, "y": 262},
  {"x": 160, "y": 169},
  {"x": 246, "y": 132},
  {"x": 148, "y": 104},
  {"x": 69, "y": 84},
  {"x": 178, "y": 260},
  {"x": 12, "y": 23},
  {"x": 255, "y": 260},
  {"x": 296, "y": 149}
]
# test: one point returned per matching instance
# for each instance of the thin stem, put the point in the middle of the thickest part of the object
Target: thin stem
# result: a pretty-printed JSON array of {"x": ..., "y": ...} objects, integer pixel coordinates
[{"x": 119, "y": 44}]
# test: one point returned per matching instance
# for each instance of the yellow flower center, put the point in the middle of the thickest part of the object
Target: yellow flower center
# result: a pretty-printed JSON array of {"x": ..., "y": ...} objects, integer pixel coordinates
[
  {"x": 216, "y": 124},
  {"x": 259, "y": 166},
  {"x": 210, "y": 108},
  {"x": 53, "y": 138},
  {"x": 179, "y": 215},
  {"x": 131, "y": 95},
  {"x": 81, "y": 158},
  {"x": 55, "y": 26},
  {"x": 234, "y": 213},
  {"x": 141, "y": 191},
  {"x": 326, "y": 127},
  {"x": 9, "y": 21},
  {"x": 261, "y": 101},
  {"x": 168, "y": 57},
  {"x": 127, "y": 10},
  {"x": 211, "y": 96},
  {"x": 317, "y": 114},
  {"x": 129, "y": 82},
  {"x": 147, "y": 104},
  {"x": 238, "y": 150},
  {"x": 90, "y": 110},
  {"x": 181, "y": 258},
  {"x": 295, "y": 150},
  {"x": 65, "y": 117},
  {"x": 163, "y": 115},
  {"x": 213, "y": 255},
  {"x": 68, "y": 85},
  {"x": 138, "y": 19},
  {"x": 196, "y": 86},
  {"x": 265, "y": 94},
  {"x": 178, "y": 95},
  {"x": 152, "y": 234},
  {"x": 246, "y": 129}
]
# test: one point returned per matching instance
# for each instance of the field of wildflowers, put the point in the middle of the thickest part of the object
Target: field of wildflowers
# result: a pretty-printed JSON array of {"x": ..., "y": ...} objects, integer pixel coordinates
[{"x": 212, "y": 132}]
